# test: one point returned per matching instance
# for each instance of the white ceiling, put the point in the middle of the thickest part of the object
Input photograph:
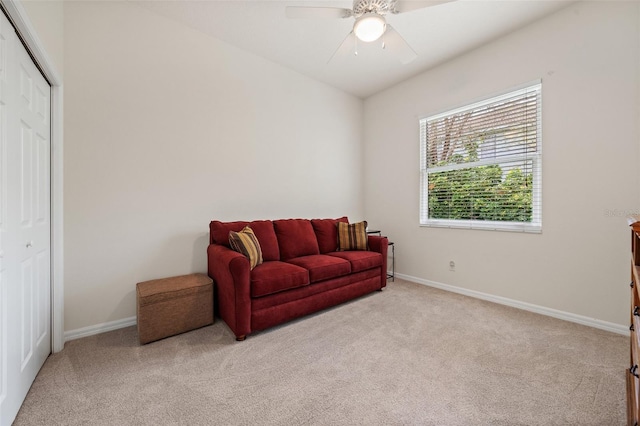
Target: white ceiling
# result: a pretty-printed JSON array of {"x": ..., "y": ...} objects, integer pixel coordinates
[{"x": 436, "y": 33}]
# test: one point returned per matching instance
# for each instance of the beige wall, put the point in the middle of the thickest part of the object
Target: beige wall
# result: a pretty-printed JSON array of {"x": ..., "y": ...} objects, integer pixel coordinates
[
  {"x": 167, "y": 129},
  {"x": 587, "y": 56},
  {"x": 155, "y": 114},
  {"x": 47, "y": 18}
]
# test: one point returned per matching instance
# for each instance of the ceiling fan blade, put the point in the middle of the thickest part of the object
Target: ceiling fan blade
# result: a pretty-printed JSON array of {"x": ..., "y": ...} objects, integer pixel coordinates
[
  {"x": 304, "y": 12},
  {"x": 347, "y": 46},
  {"x": 394, "y": 43},
  {"x": 402, "y": 6}
]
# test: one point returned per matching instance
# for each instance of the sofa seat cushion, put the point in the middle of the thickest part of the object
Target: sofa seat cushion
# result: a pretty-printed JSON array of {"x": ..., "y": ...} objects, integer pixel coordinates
[
  {"x": 322, "y": 267},
  {"x": 272, "y": 277},
  {"x": 359, "y": 260}
]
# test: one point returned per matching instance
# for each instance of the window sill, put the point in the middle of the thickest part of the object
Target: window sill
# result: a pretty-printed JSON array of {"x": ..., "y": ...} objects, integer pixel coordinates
[{"x": 530, "y": 228}]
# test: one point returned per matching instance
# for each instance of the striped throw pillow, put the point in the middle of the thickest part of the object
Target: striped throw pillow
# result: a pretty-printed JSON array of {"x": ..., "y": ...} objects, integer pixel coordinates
[
  {"x": 352, "y": 236},
  {"x": 246, "y": 243}
]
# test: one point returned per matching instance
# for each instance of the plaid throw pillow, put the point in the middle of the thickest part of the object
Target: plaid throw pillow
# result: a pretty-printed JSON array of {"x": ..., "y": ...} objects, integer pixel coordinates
[
  {"x": 352, "y": 236},
  {"x": 246, "y": 243}
]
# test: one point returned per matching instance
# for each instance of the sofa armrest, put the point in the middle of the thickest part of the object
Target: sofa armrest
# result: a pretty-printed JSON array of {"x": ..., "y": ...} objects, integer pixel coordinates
[
  {"x": 380, "y": 245},
  {"x": 231, "y": 273}
]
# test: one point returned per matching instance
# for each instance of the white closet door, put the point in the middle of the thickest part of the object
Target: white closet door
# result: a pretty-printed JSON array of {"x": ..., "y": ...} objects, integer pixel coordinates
[
  {"x": 5, "y": 52},
  {"x": 25, "y": 229}
]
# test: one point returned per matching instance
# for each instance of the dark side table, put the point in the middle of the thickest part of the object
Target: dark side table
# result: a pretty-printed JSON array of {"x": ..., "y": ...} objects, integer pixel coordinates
[{"x": 391, "y": 275}]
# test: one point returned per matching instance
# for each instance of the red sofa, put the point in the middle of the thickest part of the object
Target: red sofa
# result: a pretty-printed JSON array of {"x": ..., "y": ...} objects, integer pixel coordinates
[{"x": 302, "y": 272}]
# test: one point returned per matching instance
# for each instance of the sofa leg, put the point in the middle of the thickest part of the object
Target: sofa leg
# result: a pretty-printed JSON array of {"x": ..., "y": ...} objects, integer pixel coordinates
[{"x": 241, "y": 338}]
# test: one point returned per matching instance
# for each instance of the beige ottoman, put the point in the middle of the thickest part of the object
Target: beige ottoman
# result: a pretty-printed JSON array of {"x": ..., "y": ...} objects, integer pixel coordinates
[{"x": 170, "y": 306}]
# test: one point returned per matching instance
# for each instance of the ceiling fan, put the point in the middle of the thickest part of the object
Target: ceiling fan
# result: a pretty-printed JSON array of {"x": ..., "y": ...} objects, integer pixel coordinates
[{"x": 370, "y": 23}]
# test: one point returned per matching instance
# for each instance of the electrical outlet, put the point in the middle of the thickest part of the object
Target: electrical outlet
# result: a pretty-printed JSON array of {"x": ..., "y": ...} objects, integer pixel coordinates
[{"x": 452, "y": 266}]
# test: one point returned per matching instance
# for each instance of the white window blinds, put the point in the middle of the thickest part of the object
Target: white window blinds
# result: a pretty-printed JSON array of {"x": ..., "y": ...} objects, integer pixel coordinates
[{"x": 481, "y": 164}]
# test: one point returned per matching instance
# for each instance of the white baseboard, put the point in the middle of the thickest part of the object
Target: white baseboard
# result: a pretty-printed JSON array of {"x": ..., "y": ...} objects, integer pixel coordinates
[
  {"x": 99, "y": 328},
  {"x": 567, "y": 316}
]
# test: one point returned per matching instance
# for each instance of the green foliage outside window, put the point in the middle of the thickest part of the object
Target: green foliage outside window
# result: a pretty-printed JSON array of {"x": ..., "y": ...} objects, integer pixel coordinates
[{"x": 481, "y": 193}]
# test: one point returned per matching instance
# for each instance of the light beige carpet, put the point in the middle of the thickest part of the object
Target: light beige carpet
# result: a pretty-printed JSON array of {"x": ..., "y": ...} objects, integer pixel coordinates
[{"x": 409, "y": 355}]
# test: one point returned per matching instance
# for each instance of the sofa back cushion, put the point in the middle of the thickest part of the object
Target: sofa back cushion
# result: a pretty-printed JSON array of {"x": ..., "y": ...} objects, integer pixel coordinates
[
  {"x": 266, "y": 236},
  {"x": 295, "y": 238},
  {"x": 327, "y": 233},
  {"x": 219, "y": 231},
  {"x": 263, "y": 229}
]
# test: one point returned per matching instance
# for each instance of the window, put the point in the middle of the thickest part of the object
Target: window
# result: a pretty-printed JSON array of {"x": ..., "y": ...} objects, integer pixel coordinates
[{"x": 481, "y": 164}]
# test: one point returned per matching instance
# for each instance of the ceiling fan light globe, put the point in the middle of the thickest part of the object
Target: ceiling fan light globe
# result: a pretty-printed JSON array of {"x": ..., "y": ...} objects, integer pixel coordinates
[{"x": 369, "y": 27}]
